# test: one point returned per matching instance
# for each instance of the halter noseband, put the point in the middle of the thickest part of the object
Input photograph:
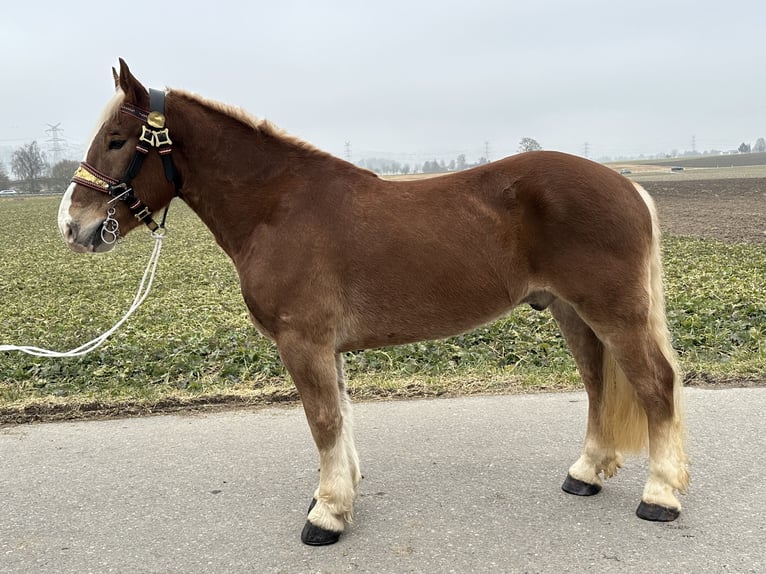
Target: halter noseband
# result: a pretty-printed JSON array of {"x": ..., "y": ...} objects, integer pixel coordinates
[{"x": 153, "y": 134}]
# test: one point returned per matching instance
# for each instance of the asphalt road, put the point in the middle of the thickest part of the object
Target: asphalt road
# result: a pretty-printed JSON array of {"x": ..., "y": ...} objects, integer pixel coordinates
[{"x": 451, "y": 485}]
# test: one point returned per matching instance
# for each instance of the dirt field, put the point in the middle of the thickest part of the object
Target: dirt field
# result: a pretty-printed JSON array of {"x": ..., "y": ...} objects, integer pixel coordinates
[{"x": 727, "y": 209}]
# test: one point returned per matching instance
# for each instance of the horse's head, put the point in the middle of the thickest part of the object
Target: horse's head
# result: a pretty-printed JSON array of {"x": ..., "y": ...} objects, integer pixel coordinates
[{"x": 127, "y": 173}]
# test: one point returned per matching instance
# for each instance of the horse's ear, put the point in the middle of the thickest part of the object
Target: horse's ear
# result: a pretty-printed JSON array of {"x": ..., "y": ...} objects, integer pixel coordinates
[
  {"x": 116, "y": 77},
  {"x": 135, "y": 93}
]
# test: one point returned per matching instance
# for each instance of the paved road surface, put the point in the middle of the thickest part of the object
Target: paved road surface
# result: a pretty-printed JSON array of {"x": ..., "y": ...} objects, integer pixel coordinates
[{"x": 451, "y": 485}]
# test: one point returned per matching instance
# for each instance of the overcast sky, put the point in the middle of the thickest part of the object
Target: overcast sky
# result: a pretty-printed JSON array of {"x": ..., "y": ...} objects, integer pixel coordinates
[{"x": 406, "y": 80}]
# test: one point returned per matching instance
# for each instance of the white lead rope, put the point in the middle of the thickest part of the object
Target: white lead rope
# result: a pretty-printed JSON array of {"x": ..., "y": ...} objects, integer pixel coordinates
[{"x": 143, "y": 292}]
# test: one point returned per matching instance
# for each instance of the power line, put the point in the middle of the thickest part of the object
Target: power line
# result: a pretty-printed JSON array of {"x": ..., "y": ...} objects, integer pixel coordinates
[
  {"x": 56, "y": 143},
  {"x": 347, "y": 151}
]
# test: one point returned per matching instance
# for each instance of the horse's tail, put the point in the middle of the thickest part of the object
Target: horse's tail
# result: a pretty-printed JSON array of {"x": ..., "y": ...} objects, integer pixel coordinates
[{"x": 622, "y": 415}]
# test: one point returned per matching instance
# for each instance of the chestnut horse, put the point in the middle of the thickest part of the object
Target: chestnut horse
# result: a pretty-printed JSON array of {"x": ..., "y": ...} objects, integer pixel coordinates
[{"x": 331, "y": 258}]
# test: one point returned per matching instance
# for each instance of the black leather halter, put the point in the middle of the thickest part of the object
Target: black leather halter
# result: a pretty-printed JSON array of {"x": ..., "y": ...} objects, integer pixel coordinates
[{"x": 154, "y": 134}]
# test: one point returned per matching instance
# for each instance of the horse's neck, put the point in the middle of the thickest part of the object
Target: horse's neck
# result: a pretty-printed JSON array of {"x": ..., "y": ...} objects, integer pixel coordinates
[{"x": 230, "y": 175}]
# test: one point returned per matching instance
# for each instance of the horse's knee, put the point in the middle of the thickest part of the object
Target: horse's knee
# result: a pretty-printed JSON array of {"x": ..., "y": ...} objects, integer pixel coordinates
[{"x": 326, "y": 424}]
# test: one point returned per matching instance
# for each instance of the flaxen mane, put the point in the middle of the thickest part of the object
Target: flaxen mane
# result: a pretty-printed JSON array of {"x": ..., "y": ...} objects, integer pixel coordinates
[{"x": 247, "y": 119}]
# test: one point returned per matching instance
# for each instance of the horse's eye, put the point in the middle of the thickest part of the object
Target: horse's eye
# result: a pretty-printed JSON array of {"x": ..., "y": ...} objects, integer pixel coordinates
[{"x": 116, "y": 144}]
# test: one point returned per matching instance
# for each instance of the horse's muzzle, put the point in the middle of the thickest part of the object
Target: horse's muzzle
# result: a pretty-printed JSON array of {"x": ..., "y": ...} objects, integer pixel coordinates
[{"x": 87, "y": 240}]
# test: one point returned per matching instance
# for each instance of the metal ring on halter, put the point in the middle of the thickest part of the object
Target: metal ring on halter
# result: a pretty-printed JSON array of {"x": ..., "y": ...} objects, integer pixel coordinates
[{"x": 110, "y": 229}]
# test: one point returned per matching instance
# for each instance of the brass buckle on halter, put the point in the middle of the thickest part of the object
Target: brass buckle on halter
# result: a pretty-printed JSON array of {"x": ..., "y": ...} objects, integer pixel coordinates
[
  {"x": 162, "y": 137},
  {"x": 155, "y": 138},
  {"x": 143, "y": 214}
]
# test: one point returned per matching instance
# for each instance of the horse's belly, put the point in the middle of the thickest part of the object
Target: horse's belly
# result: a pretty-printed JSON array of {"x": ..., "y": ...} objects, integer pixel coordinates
[{"x": 403, "y": 320}]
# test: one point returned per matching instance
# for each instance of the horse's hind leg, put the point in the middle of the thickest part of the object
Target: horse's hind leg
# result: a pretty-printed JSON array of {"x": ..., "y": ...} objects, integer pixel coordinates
[
  {"x": 318, "y": 375},
  {"x": 598, "y": 455},
  {"x": 642, "y": 391},
  {"x": 655, "y": 380}
]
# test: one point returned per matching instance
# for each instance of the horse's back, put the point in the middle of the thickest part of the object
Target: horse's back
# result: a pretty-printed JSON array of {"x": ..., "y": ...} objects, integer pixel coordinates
[{"x": 515, "y": 214}]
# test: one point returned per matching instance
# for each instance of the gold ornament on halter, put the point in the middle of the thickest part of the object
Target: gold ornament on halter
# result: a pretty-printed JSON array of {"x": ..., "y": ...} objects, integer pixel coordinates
[{"x": 156, "y": 119}]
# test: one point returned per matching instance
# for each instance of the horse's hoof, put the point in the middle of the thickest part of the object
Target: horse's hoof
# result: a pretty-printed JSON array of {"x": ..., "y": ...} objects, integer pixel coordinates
[
  {"x": 315, "y": 536},
  {"x": 579, "y": 488},
  {"x": 656, "y": 513}
]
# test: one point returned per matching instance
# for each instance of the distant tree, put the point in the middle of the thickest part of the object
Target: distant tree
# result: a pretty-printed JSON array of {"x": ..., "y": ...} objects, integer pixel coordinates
[
  {"x": 381, "y": 165},
  {"x": 61, "y": 173},
  {"x": 5, "y": 181},
  {"x": 406, "y": 169},
  {"x": 460, "y": 164},
  {"x": 28, "y": 165},
  {"x": 743, "y": 148},
  {"x": 760, "y": 145},
  {"x": 528, "y": 144}
]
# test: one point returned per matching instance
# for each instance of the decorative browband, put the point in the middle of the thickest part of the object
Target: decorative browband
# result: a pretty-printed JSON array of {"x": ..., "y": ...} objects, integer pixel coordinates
[{"x": 90, "y": 177}]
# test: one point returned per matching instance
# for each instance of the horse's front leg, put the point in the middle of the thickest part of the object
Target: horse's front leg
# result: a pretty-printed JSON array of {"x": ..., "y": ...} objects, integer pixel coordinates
[{"x": 317, "y": 372}]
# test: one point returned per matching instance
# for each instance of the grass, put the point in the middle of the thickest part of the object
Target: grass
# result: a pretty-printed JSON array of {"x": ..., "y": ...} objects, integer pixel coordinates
[{"x": 192, "y": 343}]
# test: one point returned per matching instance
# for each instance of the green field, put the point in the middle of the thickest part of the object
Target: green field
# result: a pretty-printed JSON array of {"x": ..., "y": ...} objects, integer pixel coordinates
[{"x": 191, "y": 342}]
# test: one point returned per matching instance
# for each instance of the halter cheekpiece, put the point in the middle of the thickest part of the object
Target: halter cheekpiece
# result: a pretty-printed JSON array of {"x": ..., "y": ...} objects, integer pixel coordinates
[{"x": 154, "y": 134}]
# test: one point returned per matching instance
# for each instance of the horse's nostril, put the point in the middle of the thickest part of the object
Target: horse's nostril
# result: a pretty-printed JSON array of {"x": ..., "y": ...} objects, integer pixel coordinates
[{"x": 70, "y": 232}]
